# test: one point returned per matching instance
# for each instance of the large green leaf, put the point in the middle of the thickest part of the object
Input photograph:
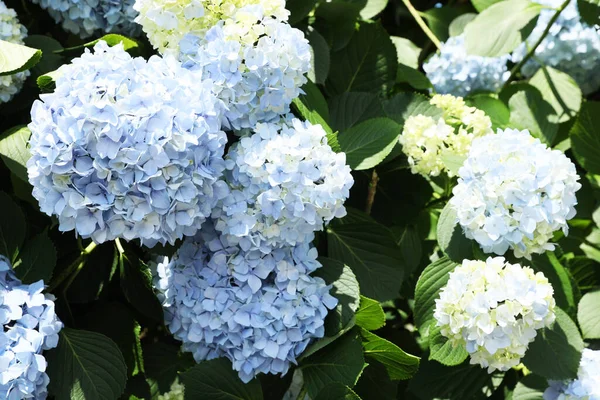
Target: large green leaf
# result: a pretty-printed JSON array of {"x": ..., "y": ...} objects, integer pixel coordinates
[
  {"x": 370, "y": 250},
  {"x": 86, "y": 365},
  {"x": 17, "y": 58},
  {"x": 312, "y": 107},
  {"x": 370, "y": 315},
  {"x": 556, "y": 351},
  {"x": 375, "y": 383},
  {"x": 163, "y": 362},
  {"x": 512, "y": 22},
  {"x": 336, "y": 21},
  {"x": 589, "y": 11},
  {"x": 458, "y": 25},
  {"x": 560, "y": 279},
  {"x": 340, "y": 362},
  {"x": 588, "y": 315},
  {"x": 12, "y": 227},
  {"x": 299, "y": 9},
  {"x": 481, "y": 5},
  {"x": 37, "y": 260},
  {"x": 433, "y": 278},
  {"x": 14, "y": 152},
  {"x": 216, "y": 380},
  {"x": 585, "y": 137},
  {"x": 404, "y": 105},
  {"x": 399, "y": 364},
  {"x": 373, "y": 8},
  {"x": 320, "y": 57},
  {"x": 136, "y": 284},
  {"x": 412, "y": 77},
  {"x": 560, "y": 90},
  {"x": 493, "y": 107},
  {"x": 442, "y": 350},
  {"x": 337, "y": 391},
  {"x": 529, "y": 110},
  {"x": 451, "y": 238},
  {"x": 348, "y": 109},
  {"x": 367, "y": 64},
  {"x": 531, "y": 387},
  {"x": 406, "y": 51},
  {"x": 368, "y": 143}
]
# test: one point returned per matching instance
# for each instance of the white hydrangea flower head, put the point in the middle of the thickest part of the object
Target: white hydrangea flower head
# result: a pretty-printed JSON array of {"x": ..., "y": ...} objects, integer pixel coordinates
[
  {"x": 514, "y": 192},
  {"x": 587, "y": 384},
  {"x": 11, "y": 31},
  {"x": 258, "y": 64},
  {"x": 30, "y": 326},
  {"x": 453, "y": 71},
  {"x": 127, "y": 148},
  {"x": 166, "y": 22},
  {"x": 285, "y": 183},
  {"x": 258, "y": 310},
  {"x": 493, "y": 309},
  {"x": 427, "y": 142},
  {"x": 86, "y": 18},
  {"x": 571, "y": 46}
]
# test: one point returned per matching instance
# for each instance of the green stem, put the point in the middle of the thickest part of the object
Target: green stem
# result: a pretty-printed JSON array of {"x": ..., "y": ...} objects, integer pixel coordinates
[
  {"x": 75, "y": 266},
  {"x": 515, "y": 70},
  {"x": 417, "y": 16},
  {"x": 119, "y": 246},
  {"x": 302, "y": 393}
]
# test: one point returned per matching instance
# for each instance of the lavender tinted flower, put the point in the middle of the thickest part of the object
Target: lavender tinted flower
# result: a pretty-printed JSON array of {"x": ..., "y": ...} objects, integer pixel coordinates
[
  {"x": 127, "y": 148},
  {"x": 11, "y": 31},
  {"x": 30, "y": 326},
  {"x": 258, "y": 310},
  {"x": 93, "y": 17},
  {"x": 587, "y": 384}
]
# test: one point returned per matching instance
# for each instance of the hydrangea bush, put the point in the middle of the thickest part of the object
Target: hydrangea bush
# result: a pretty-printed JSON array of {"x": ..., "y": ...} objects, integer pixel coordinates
[{"x": 269, "y": 199}]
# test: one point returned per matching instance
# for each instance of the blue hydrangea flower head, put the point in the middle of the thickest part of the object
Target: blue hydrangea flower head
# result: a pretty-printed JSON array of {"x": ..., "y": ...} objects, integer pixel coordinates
[
  {"x": 93, "y": 17},
  {"x": 571, "y": 46},
  {"x": 453, "y": 71},
  {"x": 259, "y": 310},
  {"x": 30, "y": 326},
  {"x": 127, "y": 148},
  {"x": 11, "y": 31},
  {"x": 258, "y": 64},
  {"x": 286, "y": 183},
  {"x": 587, "y": 384}
]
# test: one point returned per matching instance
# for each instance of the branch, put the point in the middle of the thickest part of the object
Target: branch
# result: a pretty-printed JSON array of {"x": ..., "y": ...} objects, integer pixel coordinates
[{"x": 417, "y": 16}]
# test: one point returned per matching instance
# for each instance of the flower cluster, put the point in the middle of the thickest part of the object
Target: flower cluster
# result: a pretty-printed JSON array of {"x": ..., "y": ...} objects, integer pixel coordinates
[
  {"x": 285, "y": 183},
  {"x": 258, "y": 67},
  {"x": 90, "y": 17},
  {"x": 127, "y": 148},
  {"x": 11, "y": 31},
  {"x": 429, "y": 143},
  {"x": 166, "y": 22},
  {"x": 571, "y": 46},
  {"x": 30, "y": 326},
  {"x": 493, "y": 309},
  {"x": 514, "y": 192},
  {"x": 453, "y": 71},
  {"x": 587, "y": 384},
  {"x": 258, "y": 310}
]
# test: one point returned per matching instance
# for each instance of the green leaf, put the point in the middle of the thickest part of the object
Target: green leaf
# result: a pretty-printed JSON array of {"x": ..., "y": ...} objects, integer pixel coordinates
[
  {"x": 589, "y": 11},
  {"x": 47, "y": 82},
  {"x": 413, "y": 77},
  {"x": 375, "y": 383},
  {"x": 457, "y": 26},
  {"x": 560, "y": 90},
  {"x": 162, "y": 363},
  {"x": 349, "y": 109},
  {"x": 86, "y": 365},
  {"x": 336, "y": 21},
  {"x": 12, "y": 227},
  {"x": 341, "y": 362},
  {"x": 367, "y": 64},
  {"x": 441, "y": 349},
  {"x": 585, "y": 137},
  {"x": 370, "y": 250},
  {"x": 50, "y": 59},
  {"x": 373, "y": 8},
  {"x": 136, "y": 284},
  {"x": 17, "y": 58},
  {"x": 588, "y": 315},
  {"x": 432, "y": 280},
  {"x": 299, "y": 9},
  {"x": 370, "y": 315},
  {"x": 409, "y": 240},
  {"x": 37, "y": 260},
  {"x": 337, "y": 391},
  {"x": 513, "y": 21},
  {"x": 406, "y": 51},
  {"x": 481, "y": 5},
  {"x": 404, "y": 105},
  {"x": 494, "y": 108},
  {"x": 14, "y": 152},
  {"x": 95, "y": 277},
  {"x": 555, "y": 353},
  {"x": 312, "y": 107},
  {"x": 216, "y": 380},
  {"x": 439, "y": 19},
  {"x": 112, "y": 39},
  {"x": 529, "y": 110},
  {"x": 368, "y": 143},
  {"x": 399, "y": 364},
  {"x": 559, "y": 278},
  {"x": 320, "y": 57},
  {"x": 531, "y": 387},
  {"x": 451, "y": 238}
]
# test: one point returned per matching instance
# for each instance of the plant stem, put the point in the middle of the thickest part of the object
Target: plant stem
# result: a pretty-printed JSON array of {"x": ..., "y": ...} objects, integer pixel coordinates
[
  {"x": 302, "y": 393},
  {"x": 119, "y": 246},
  {"x": 417, "y": 16},
  {"x": 372, "y": 192},
  {"x": 75, "y": 266},
  {"x": 531, "y": 52}
]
